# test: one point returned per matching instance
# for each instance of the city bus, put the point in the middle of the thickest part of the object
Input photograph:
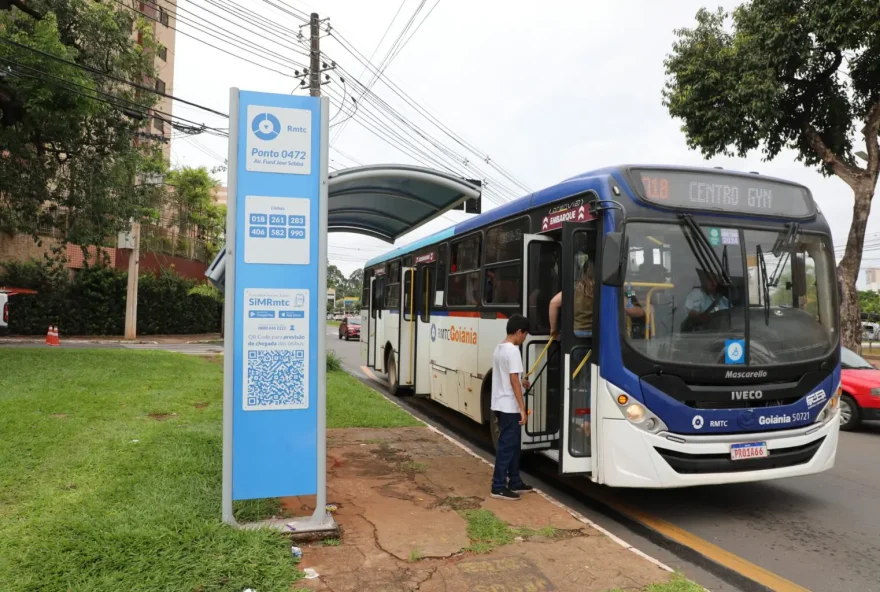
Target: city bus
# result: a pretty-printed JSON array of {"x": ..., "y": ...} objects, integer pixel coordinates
[{"x": 714, "y": 355}]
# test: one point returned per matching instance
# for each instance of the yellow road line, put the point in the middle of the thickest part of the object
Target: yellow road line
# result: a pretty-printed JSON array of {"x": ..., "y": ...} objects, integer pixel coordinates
[{"x": 704, "y": 547}]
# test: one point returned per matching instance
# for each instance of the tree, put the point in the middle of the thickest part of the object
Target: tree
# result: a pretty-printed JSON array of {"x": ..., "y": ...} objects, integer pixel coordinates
[
  {"x": 789, "y": 74},
  {"x": 355, "y": 283},
  {"x": 194, "y": 211},
  {"x": 71, "y": 139}
]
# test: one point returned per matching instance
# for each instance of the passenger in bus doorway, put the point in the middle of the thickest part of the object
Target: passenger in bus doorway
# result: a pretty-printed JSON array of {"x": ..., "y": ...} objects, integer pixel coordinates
[{"x": 509, "y": 409}]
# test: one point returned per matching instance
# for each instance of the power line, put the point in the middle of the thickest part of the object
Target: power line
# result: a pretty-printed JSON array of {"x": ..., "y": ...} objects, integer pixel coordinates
[
  {"x": 347, "y": 45},
  {"x": 179, "y": 8},
  {"x": 237, "y": 41},
  {"x": 220, "y": 49},
  {"x": 416, "y": 30},
  {"x": 44, "y": 76},
  {"x": 112, "y": 77},
  {"x": 448, "y": 153}
]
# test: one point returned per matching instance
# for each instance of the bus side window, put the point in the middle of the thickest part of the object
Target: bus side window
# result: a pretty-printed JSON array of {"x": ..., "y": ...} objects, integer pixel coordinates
[
  {"x": 544, "y": 282},
  {"x": 392, "y": 290},
  {"x": 426, "y": 297},
  {"x": 407, "y": 294},
  {"x": 464, "y": 273},
  {"x": 439, "y": 287}
]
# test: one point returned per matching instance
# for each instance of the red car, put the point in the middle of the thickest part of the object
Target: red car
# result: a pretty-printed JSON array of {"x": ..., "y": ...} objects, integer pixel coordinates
[
  {"x": 349, "y": 328},
  {"x": 860, "y": 382}
]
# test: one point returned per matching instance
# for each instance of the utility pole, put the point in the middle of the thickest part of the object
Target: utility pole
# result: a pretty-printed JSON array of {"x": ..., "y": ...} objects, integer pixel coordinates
[
  {"x": 131, "y": 295},
  {"x": 315, "y": 56}
]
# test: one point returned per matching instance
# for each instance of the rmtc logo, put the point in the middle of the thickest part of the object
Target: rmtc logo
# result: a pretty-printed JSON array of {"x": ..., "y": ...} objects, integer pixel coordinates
[
  {"x": 455, "y": 335},
  {"x": 266, "y": 126},
  {"x": 746, "y": 395}
]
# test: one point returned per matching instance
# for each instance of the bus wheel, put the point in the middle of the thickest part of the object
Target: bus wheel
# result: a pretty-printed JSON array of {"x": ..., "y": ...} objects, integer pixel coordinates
[
  {"x": 849, "y": 413},
  {"x": 393, "y": 380}
]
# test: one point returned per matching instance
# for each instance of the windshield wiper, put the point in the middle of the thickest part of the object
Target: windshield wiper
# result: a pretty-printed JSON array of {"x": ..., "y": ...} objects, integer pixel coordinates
[
  {"x": 782, "y": 250},
  {"x": 704, "y": 251},
  {"x": 765, "y": 285}
]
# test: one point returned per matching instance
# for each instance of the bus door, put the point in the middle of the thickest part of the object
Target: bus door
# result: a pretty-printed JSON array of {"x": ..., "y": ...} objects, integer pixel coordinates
[
  {"x": 406, "y": 368},
  {"x": 424, "y": 297},
  {"x": 579, "y": 369},
  {"x": 364, "y": 312},
  {"x": 541, "y": 263},
  {"x": 379, "y": 320},
  {"x": 375, "y": 309}
]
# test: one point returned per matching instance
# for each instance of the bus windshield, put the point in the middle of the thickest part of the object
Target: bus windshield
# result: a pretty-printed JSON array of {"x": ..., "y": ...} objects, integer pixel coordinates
[{"x": 733, "y": 296}]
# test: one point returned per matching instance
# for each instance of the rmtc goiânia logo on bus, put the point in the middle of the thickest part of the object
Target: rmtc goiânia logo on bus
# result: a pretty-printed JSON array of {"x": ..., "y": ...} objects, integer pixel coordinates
[{"x": 465, "y": 336}]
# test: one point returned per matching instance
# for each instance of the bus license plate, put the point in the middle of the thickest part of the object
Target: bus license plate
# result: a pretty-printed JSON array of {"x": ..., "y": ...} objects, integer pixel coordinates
[{"x": 749, "y": 450}]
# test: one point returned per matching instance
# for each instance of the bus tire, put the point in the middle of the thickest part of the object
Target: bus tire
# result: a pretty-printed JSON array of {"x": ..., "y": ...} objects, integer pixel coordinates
[
  {"x": 488, "y": 416},
  {"x": 394, "y": 378},
  {"x": 849, "y": 413}
]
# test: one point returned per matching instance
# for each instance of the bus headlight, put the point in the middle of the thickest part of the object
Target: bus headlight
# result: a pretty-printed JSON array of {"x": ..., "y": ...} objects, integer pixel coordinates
[
  {"x": 828, "y": 411},
  {"x": 635, "y": 413}
]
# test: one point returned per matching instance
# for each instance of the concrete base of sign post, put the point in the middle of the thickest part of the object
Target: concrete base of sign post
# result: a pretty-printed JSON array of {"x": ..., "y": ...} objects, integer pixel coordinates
[{"x": 303, "y": 525}]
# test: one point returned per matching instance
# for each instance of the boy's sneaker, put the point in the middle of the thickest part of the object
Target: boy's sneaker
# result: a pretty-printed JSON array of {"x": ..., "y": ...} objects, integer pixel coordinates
[
  {"x": 505, "y": 494},
  {"x": 522, "y": 488}
]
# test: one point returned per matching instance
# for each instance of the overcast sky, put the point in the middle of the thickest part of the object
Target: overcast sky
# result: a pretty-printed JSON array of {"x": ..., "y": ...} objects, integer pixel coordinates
[{"x": 548, "y": 90}]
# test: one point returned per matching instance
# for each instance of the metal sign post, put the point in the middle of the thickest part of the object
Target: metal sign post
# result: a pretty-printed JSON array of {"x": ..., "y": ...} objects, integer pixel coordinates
[{"x": 274, "y": 396}]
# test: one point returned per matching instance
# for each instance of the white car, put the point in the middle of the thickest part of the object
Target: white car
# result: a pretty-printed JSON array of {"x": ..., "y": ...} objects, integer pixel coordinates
[{"x": 339, "y": 316}]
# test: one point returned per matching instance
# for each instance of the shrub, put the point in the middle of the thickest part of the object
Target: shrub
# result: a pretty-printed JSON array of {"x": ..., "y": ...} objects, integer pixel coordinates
[{"x": 93, "y": 302}]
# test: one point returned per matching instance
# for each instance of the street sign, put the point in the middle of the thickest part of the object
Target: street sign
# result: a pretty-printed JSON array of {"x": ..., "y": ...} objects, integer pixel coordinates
[{"x": 275, "y": 363}]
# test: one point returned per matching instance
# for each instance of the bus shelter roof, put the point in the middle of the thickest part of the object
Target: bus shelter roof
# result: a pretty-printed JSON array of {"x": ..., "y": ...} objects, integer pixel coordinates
[
  {"x": 382, "y": 201},
  {"x": 387, "y": 201}
]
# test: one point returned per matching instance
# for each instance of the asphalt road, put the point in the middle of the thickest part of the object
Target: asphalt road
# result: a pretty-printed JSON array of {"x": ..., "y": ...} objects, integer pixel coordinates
[{"x": 821, "y": 532}]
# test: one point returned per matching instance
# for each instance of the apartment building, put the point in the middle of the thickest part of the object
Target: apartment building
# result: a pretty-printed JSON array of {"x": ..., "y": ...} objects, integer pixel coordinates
[{"x": 160, "y": 15}]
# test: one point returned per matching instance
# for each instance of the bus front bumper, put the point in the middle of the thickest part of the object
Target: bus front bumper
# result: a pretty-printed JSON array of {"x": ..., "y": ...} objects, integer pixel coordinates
[{"x": 635, "y": 458}]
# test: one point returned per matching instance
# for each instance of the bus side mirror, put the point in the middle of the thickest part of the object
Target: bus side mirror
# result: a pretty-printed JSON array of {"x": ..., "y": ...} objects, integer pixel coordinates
[{"x": 614, "y": 259}]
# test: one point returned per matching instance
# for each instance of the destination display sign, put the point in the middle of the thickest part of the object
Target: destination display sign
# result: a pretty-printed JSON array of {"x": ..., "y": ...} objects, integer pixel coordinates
[{"x": 727, "y": 193}]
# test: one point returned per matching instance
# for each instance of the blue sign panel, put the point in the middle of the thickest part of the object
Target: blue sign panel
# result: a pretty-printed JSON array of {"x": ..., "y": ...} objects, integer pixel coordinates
[{"x": 277, "y": 188}]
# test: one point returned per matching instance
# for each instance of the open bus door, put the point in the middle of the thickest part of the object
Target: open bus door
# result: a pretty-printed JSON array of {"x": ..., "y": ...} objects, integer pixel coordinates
[
  {"x": 541, "y": 261},
  {"x": 579, "y": 370},
  {"x": 406, "y": 342}
]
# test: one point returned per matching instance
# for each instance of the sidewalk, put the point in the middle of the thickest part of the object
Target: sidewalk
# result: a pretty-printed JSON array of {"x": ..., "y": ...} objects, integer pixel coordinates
[
  {"x": 146, "y": 339},
  {"x": 415, "y": 514}
]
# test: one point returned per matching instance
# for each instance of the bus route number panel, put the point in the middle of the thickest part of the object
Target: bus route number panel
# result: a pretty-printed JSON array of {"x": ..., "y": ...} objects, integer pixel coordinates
[
  {"x": 721, "y": 192},
  {"x": 277, "y": 230}
]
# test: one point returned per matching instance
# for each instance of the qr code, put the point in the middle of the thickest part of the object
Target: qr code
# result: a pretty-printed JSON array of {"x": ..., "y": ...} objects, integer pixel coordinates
[{"x": 277, "y": 379}]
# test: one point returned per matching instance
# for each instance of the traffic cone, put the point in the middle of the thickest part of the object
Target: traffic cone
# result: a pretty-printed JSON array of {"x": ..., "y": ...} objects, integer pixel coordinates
[
  {"x": 56, "y": 341},
  {"x": 49, "y": 336}
]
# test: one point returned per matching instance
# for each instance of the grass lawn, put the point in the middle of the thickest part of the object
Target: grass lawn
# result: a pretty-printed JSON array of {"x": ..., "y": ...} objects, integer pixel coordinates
[
  {"x": 678, "y": 584},
  {"x": 111, "y": 471}
]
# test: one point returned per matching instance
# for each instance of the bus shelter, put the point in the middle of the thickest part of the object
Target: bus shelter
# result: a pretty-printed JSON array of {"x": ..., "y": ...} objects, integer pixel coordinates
[{"x": 384, "y": 202}]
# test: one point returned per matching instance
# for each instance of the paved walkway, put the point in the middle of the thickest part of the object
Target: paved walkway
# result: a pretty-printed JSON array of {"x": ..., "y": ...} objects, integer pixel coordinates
[{"x": 415, "y": 514}]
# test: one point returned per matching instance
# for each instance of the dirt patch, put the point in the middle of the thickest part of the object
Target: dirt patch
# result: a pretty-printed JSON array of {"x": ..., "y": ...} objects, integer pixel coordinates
[
  {"x": 460, "y": 503},
  {"x": 218, "y": 360},
  {"x": 402, "y": 499},
  {"x": 389, "y": 454},
  {"x": 59, "y": 415},
  {"x": 161, "y": 416},
  {"x": 201, "y": 404}
]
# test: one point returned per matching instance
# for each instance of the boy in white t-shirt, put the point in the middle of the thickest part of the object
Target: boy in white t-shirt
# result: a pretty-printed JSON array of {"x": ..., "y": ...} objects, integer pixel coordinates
[{"x": 509, "y": 410}]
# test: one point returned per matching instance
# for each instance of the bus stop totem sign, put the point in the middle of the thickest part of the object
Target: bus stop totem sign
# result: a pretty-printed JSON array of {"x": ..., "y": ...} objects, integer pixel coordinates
[{"x": 276, "y": 379}]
